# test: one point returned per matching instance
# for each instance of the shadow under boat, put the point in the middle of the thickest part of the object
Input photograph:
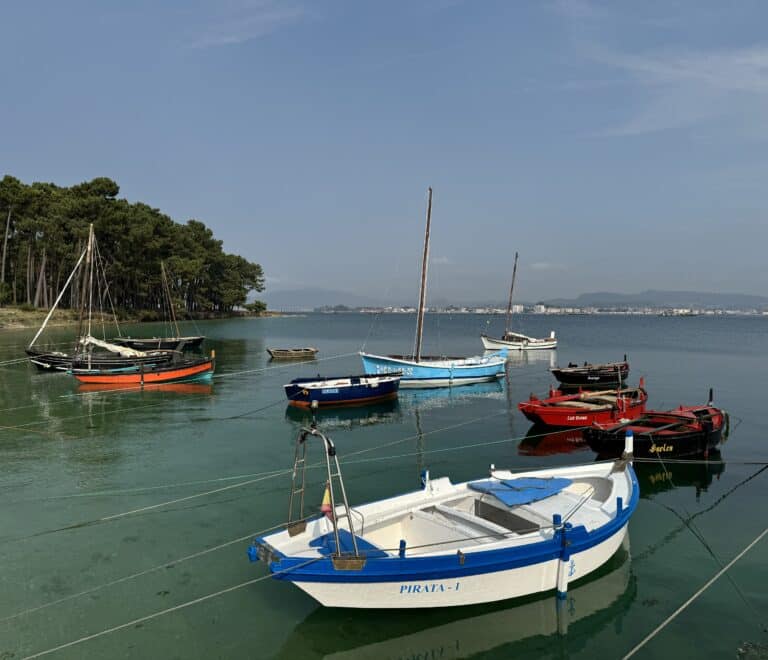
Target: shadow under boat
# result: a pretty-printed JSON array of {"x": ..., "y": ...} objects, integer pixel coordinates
[
  {"x": 546, "y": 441},
  {"x": 599, "y": 600},
  {"x": 341, "y": 417},
  {"x": 696, "y": 471},
  {"x": 523, "y": 358},
  {"x": 440, "y": 397}
]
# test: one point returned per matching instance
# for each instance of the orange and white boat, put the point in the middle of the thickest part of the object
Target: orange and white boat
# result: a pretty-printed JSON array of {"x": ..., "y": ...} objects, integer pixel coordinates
[{"x": 185, "y": 370}]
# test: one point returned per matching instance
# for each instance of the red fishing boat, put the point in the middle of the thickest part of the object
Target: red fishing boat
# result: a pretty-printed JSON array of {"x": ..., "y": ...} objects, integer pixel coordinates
[
  {"x": 683, "y": 431},
  {"x": 586, "y": 408},
  {"x": 185, "y": 370}
]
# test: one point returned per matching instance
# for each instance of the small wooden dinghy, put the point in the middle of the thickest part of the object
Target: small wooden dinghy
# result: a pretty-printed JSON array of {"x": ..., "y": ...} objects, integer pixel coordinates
[
  {"x": 585, "y": 408},
  {"x": 448, "y": 544},
  {"x": 307, "y": 352},
  {"x": 341, "y": 391},
  {"x": 593, "y": 374}
]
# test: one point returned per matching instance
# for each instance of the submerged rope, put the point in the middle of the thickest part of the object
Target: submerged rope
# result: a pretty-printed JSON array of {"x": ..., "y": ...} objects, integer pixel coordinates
[
  {"x": 698, "y": 593},
  {"x": 168, "y": 610}
]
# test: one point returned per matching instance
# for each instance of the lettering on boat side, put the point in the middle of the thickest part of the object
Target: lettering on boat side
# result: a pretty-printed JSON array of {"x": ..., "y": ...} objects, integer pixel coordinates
[
  {"x": 330, "y": 390},
  {"x": 572, "y": 568},
  {"x": 382, "y": 369},
  {"x": 576, "y": 418},
  {"x": 657, "y": 449},
  {"x": 428, "y": 588}
]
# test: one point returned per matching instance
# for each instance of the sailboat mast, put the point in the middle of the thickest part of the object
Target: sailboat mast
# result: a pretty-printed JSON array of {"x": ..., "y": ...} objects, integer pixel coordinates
[
  {"x": 423, "y": 290},
  {"x": 509, "y": 304},
  {"x": 84, "y": 286},
  {"x": 170, "y": 300}
]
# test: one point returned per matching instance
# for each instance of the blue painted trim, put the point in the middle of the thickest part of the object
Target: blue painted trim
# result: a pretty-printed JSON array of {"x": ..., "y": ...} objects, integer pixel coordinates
[{"x": 395, "y": 569}]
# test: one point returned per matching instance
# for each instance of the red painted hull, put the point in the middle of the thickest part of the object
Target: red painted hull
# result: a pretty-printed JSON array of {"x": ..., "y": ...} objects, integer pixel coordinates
[
  {"x": 198, "y": 369},
  {"x": 585, "y": 408},
  {"x": 184, "y": 387}
]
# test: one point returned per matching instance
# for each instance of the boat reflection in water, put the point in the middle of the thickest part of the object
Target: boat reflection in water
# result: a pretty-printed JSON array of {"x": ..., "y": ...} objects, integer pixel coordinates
[
  {"x": 543, "y": 441},
  {"x": 440, "y": 397},
  {"x": 523, "y": 358},
  {"x": 345, "y": 417},
  {"x": 178, "y": 388},
  {"x": 597, "y": 601},
  {"x": 697, "y": 471}
]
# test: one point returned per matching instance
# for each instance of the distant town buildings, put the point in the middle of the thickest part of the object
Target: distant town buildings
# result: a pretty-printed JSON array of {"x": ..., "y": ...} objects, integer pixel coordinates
[{"x": 541, "y": 308}]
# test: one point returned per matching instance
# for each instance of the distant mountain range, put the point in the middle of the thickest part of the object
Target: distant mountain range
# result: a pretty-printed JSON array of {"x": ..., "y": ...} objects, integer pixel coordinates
[{"x": 312, "y": 297}]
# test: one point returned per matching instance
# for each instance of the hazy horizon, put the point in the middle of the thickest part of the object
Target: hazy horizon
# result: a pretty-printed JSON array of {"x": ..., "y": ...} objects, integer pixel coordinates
[{"x": 616, "y": 147}]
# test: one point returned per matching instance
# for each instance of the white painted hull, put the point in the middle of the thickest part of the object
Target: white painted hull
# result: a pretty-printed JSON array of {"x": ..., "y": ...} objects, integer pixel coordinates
[
  {"x": 466, "y": 590},
  {"x": 491, "y": 343}
]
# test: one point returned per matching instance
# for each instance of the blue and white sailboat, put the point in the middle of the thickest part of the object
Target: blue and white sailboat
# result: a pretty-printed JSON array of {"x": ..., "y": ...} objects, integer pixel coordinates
[{"x": 429, "y": 371}]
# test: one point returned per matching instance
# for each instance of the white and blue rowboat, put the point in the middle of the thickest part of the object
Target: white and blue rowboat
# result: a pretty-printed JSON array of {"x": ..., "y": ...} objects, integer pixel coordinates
[
  {"x": 506, "y": 536},
  {"x": 436, "y": 371},
  {"x": 341, "y": 390}
]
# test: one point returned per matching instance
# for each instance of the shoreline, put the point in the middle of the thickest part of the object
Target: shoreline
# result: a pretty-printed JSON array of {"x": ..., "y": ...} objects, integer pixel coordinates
[{"x": 16, "y": 318}]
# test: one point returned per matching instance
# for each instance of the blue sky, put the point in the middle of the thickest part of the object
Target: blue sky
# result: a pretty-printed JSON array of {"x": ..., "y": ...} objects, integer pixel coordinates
[{"x": 617, "y": 146}]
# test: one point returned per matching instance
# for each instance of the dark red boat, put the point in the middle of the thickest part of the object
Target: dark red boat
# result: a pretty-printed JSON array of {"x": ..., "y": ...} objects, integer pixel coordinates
[
  {"x": 605, "y": 407},
  {"x": 609, "y": 373},
  {"x": 683, "y": 431}
]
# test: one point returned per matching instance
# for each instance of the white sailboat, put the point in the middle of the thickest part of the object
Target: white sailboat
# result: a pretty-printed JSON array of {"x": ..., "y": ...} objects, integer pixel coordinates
[{"x": 517, "y": 341}]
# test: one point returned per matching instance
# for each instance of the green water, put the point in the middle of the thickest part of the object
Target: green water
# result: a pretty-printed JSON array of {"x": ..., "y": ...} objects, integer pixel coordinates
[{"x": 99, "y": 489}]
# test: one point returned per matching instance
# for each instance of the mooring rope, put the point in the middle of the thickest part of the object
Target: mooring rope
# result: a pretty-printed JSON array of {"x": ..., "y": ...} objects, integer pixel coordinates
[
  {"x": 168, "y": 564},
  {"x": 169, "y": 610},
  {"x": 698, "y": 593}
]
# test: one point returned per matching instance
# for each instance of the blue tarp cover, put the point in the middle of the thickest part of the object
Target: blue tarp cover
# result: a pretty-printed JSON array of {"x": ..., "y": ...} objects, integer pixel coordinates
[
  {"x": 523, "y": 490},
  {"x": 327, "y": 544}
]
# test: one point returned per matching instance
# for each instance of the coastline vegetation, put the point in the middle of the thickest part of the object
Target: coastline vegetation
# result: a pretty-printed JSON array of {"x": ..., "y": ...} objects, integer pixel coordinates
[{"x": 45, "y": 228}]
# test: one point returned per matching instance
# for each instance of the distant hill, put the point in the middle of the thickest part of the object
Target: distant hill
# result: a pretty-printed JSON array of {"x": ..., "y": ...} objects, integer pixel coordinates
[
  {"x": 311, "y": 297},
  {"x": 654, "y": 298}
]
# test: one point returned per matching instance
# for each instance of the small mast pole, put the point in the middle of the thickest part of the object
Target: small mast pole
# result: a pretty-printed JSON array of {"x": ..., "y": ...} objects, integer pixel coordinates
[
  {"x": 170, "y": 300},
  {"x": 423, "y": 290},
  {"x": 509, "y": 304}
]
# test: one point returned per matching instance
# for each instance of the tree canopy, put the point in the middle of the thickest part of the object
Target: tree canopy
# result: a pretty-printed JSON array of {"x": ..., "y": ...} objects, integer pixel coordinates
[{"x": 45, "y": 227}]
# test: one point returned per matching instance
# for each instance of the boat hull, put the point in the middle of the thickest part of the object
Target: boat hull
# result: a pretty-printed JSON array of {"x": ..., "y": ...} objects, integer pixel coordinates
[
  {"x": 463, "y": 590},
  {"x": 683, "y": 432},
  {"x": 437, "y": 373},
  {"x": 592, "y": 374},
  {"x": 62, "y": 362},
  {"x": 575, "y": 411},
  {"x": 197, "y": 370},
  {"x": 527, "y": 344},
  {"x": 352, "y": 391},
  {"x": 292, "y": 353}
]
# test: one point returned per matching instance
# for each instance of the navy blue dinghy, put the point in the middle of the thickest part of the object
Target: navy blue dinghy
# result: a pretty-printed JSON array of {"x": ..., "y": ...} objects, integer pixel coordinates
[{"x": 342, "y": 390}]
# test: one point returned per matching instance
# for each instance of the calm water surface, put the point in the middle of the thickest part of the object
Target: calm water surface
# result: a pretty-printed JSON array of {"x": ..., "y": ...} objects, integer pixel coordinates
[{"x": 97, "y": 489}]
